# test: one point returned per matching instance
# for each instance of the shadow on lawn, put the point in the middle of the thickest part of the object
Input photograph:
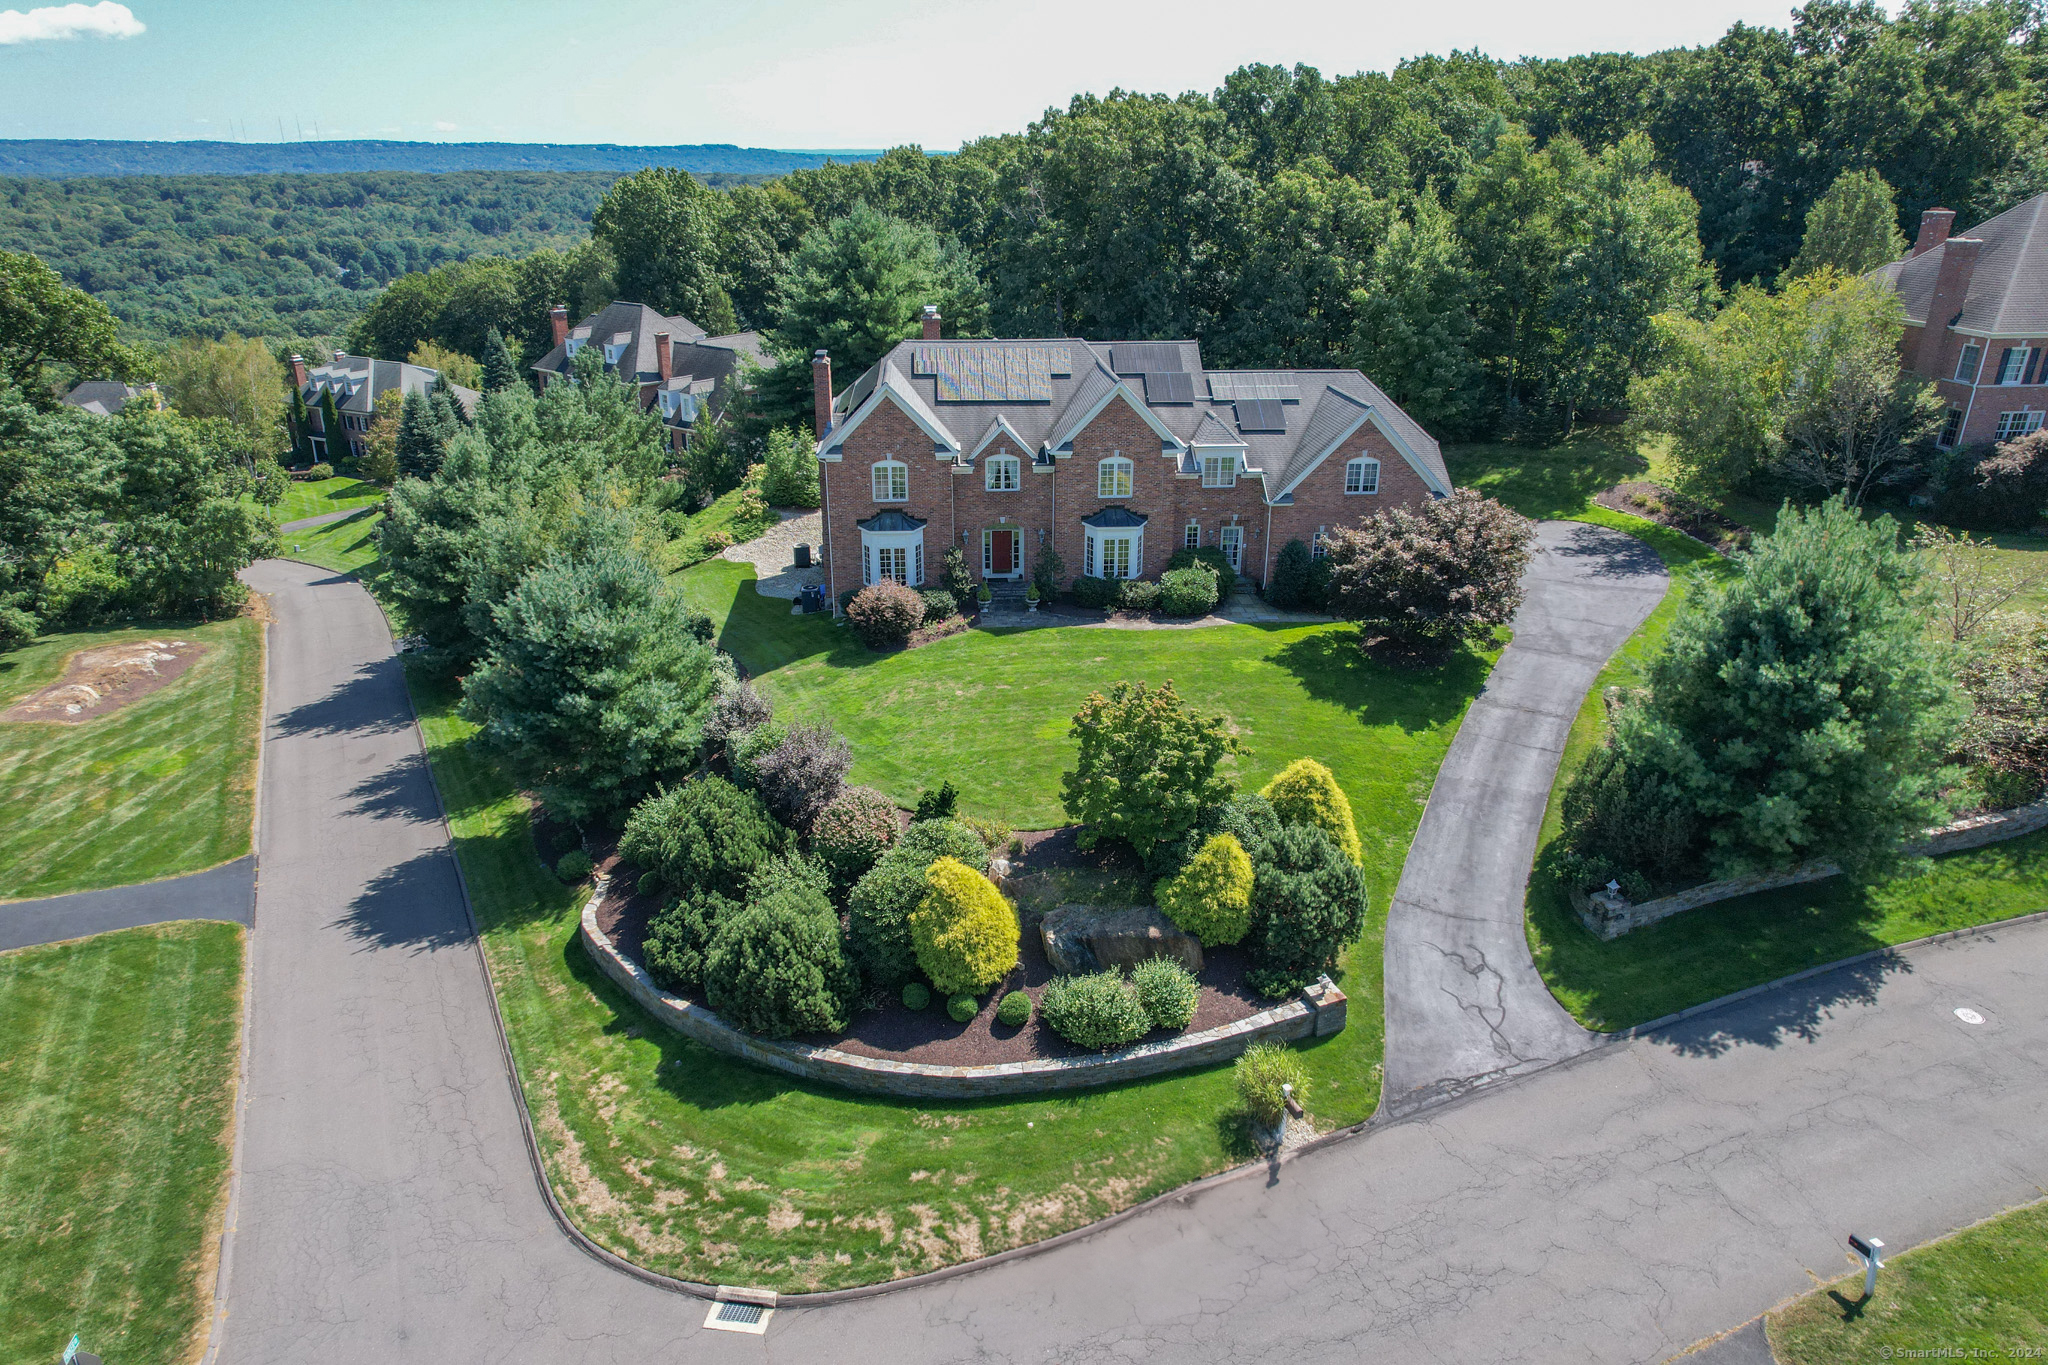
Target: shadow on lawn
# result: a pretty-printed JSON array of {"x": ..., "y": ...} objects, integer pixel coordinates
[{"x": 1331, "y": 667}]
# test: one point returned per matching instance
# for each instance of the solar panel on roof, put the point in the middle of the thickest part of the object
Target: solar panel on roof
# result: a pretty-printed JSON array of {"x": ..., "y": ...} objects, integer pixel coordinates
[
  {"x": 991, "y": 373},
  {"x": 1256, "y": 386},
  {"x": 1174, "y": 387},
  {"x": 1146, "y": 357},
  {"x": 1261, "y": 414}
]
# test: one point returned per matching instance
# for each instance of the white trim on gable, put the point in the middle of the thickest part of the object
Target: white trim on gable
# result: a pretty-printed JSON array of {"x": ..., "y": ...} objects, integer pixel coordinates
[
  {"x": 833, "y": 444},
  {"x": 1401, "y": 447},
  {"x": 1064, "y": 435},
  {"x": 996, "y": 430}
]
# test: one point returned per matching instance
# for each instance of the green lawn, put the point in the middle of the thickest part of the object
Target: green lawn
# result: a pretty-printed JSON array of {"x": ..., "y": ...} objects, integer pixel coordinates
[
  {"x": 723, "y": 514},
  {"x": 707, "y": 1168},
  {"x": 312, "y": 498},
  {"x": 163, "y": 786},
  {"x": 116, "y": 1088},
  {"x": 1546, "y": 482},
  {"x": 1979, "y": 1294},
  {"x": 345, "y": 546}
]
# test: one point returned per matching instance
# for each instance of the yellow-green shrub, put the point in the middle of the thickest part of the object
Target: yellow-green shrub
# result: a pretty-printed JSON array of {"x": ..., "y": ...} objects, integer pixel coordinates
[
  {"x": 1305, "y": 793},
  {"x": 964, "y": 932},
  {"x": 1212, "y": 896}
]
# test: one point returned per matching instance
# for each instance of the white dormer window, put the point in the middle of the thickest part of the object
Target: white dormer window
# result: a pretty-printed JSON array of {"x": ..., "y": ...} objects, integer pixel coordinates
[
  {"x": 1113, "y": 478},
  {"x": 1002, "y": 474},
  {"x": 891, "y": 481},
  {"x": 572, "y": 346},
  {"x": 1362, "y": 475},
  {"x": 613, "y": 352},
  {"x": 1219, "y": 471}
]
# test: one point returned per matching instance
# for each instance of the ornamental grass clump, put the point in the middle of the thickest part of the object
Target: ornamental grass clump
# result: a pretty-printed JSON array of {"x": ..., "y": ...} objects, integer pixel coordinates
[
  {"x": 1167, "y": 991},
  {"x": 883, "y": 614},
  {"x": 1263, "y": 1072},
  {"x": 852, "y": 833},
  {"x": 1099, "y": 1011},
  {"x": 1211, "y": 897},
  {"x": 1306, "y": 793},
  {"x": 963, "y": 931}
]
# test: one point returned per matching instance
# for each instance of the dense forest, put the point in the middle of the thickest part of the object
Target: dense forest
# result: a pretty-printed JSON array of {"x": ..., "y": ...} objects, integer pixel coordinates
[{"x": 91, "y": 156}]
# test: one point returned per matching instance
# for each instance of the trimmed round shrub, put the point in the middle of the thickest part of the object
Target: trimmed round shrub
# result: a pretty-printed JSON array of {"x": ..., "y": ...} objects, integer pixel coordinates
[
  {"x": 1187, "y": 592},
  {"x": 852, "y": 833},
  {"x": 704, "y": 835},
  {"x": 573, "y": 866},
  {"x": 1308, "y": 902},
  {"x": 1262, "y": 1070},
  {"x": 963, "y": 931},
  {"x": 917, "y": 996},
  {"x": 883, "y": 614},
  {"x": 777, "y": 968},
  {"x": 938, "y": 606},
  {"x": 1168, "y": 992},
  {"x": 678, "y": 935},
  {"x": 1014, "y": 1011},
  {"x": 745, "y": 750},
  {"x": 1305, "y": 793},
  {"x": 1288, "y": 588},
  {"x": 1210, "y": 557},
  {"x": 323, "y": 470},
  {"x": 1211, "y": 898},
  {"x": 796, "y": 872},
  {"x": 649, "y": 884},
  {"x": 878, "y": 910},
  {"x": 1090, "y": 591},
  {"x": 962, "y": 1008},
  {"x": 1099, "y": 1011},
  {"x": 1138, "y": 594}
]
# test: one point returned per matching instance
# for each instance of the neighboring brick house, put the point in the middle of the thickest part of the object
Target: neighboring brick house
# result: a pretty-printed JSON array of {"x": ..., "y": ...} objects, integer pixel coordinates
[
  {"x": 105, "y": 397},
  {"x": 1114, "y": 454},
  {"x": 357, "y": 382},
  {"x": 675, "y": 364},
  {"x": 1977, "y": 319}
]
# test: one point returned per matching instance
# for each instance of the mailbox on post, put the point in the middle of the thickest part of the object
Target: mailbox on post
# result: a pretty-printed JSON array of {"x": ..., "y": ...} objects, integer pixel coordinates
[{"x": 1872, "y": 1252}]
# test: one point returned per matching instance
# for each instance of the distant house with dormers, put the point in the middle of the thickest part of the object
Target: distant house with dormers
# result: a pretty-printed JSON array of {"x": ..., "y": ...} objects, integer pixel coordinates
[
  {"x": 677, "y": 366},
  {"x": 357, "y": 382},
  {"x": 105, "y": 397}
]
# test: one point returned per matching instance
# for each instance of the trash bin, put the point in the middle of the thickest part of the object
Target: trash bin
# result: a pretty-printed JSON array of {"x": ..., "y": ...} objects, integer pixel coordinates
[{"x": 803, "y": 556}]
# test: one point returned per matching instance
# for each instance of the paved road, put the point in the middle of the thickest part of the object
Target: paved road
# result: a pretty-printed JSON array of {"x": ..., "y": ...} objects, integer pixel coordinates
[
  {"x": 1464, "y": 1004},
  {"x": 1614, "y": 1209},
  {"x": 227, "y": 892},
  {"x": 321, "y": 520}
]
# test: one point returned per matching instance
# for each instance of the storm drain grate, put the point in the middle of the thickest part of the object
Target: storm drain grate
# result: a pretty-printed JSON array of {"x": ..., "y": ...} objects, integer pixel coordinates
[{"x": 738, "y": 1317}]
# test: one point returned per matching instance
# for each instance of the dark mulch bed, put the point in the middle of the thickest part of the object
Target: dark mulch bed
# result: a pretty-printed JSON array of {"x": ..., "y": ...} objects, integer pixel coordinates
[
  {"x": 887, "y": 1029},
  {"x": 1708, "y": 527}
]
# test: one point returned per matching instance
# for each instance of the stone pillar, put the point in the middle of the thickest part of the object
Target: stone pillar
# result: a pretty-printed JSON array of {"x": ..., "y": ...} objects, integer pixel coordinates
[{"x": 1327, "y": 1004}]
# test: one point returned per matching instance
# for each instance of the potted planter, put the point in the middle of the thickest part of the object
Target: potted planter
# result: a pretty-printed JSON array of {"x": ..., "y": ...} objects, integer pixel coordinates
[
  {"x": 1031, "y": 598},
  {"x": 984, "y": 595}
]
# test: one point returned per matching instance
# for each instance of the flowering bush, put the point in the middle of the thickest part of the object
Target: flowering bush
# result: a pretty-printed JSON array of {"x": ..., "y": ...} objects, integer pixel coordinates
[{"x": 883, "y": 614}]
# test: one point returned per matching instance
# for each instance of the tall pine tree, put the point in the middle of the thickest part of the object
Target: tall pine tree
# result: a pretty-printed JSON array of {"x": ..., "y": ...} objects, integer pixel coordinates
[
  {"x": 501, "y": 370},
  {"x": 420, "y": 444}
]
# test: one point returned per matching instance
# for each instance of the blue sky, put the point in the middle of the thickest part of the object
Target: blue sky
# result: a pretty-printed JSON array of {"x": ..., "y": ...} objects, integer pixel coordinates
[{"x": 764, "y": 73}]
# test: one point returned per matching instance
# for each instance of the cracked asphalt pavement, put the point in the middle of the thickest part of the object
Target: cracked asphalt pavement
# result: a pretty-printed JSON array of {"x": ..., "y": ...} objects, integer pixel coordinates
[
  {"x": 1464, "y": 1004},
  {"x": 1614, "y": 1209}
]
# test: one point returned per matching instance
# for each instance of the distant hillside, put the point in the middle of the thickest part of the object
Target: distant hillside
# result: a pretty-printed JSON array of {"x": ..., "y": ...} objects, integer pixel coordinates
[{"x": 66, "y": 157}]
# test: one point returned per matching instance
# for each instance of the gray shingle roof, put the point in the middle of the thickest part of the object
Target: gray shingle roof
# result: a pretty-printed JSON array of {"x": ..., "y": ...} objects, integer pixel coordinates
[
  {"x": 2008, "y": 294},
  {"x": 631, "y": 327},
  {"x": 1321, "y": 401},
  {"x": 105, "y": 397},
  {"x": 358, "y": 381}
]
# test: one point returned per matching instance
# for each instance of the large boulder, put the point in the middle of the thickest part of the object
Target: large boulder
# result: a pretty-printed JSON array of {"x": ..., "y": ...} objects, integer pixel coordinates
[{"x": 1090, "y": 938}]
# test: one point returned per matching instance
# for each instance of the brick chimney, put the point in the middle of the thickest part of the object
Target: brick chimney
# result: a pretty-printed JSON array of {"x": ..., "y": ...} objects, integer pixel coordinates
[
  {"x": 298, "y": 372},
  {"x": 1934, "y": 226},
  {"x": 931, "y": 322},
  {"x": 821, "y": 390},
  {"x": 1951, "y": 289},
  {"x": 559, "y": 317},
  {"x": 664, "y": 358}
]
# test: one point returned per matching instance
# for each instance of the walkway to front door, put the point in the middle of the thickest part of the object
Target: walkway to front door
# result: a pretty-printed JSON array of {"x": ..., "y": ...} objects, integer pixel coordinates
[{"x": 1000, "y": 557}]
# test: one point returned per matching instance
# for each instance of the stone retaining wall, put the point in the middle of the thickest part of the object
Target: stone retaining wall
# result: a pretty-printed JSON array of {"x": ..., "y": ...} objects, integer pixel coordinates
[
  {"x": 1317, "y": 1013},
  {"x": 1609, "y": 915}
]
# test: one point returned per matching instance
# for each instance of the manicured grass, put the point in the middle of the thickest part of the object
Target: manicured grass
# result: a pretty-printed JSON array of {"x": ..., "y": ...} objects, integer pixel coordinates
[
  {"x": 722, "y": 514},
  {"x": 1550, "y": 481},
  {"x": 345, "y": 546},
  {"x": 116, "y": 1087},
  {"x": 1706, "y": 953},
  {"x": 710, "y": 1169},
  {"x": 161, "y": 787},
  {"x": 1979, "y": 1294},
  {"x": 315, "y": 497}
]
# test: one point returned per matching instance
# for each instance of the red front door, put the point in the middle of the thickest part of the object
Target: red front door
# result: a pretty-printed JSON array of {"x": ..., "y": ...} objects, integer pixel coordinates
[{"x": 1002, "y": 552}]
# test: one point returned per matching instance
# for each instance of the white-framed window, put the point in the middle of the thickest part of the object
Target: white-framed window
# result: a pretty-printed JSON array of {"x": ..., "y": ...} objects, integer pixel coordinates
[
  {"x": 1113, "y": 478},
  {"x": 2016, "y": 424},
  {"x": 1362, "y": 475},
  {"x": 1002, "y": 474},
  {"x": 892, "y": 554},
  {"x": 2012, "y": 366},
  {"x": 1219, "y": 471},
  {"x": 319, "y": 447},
  {"x": 891, "y": 481},
  {"x": 1320, "y": 546},
  {"x": 1231, "y": 540},
  {"x": 1113, "y": 554},
  {"x": 1192, "y": 537},
  {"x": 1966, "y": 366},
  {"x": 1951, "y": 429}
]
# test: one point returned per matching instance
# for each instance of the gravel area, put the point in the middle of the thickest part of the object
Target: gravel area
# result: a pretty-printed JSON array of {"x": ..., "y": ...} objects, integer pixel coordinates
[{"x": 773, "y": 554}]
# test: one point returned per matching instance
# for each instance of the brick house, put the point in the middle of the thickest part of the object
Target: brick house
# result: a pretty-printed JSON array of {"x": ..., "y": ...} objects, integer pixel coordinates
[
  {"x": 357, "y": 382},
  {"x": 676, "y": 365},
  {"x": 1114, "y": 454},
  {"x": 1977, "y": 319}
]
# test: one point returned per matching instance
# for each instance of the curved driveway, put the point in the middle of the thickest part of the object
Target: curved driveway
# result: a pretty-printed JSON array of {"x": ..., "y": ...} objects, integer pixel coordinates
[{"x": 1613, "y": 1209}]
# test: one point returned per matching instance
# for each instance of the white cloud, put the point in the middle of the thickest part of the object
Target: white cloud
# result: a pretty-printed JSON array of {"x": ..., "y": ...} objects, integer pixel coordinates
[
  {"x": 443, "y": 126},
  {"x": 104, "y": 20}
]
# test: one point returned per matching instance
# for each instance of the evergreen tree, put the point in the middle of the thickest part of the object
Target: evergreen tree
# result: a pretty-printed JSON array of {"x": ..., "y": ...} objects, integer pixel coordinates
[
  {"x": 331, "y": 429},
  {"x": 501, "y": 370},
  {"x": 420, "y": 442},
  {"x": 1854, "y": 227}
]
